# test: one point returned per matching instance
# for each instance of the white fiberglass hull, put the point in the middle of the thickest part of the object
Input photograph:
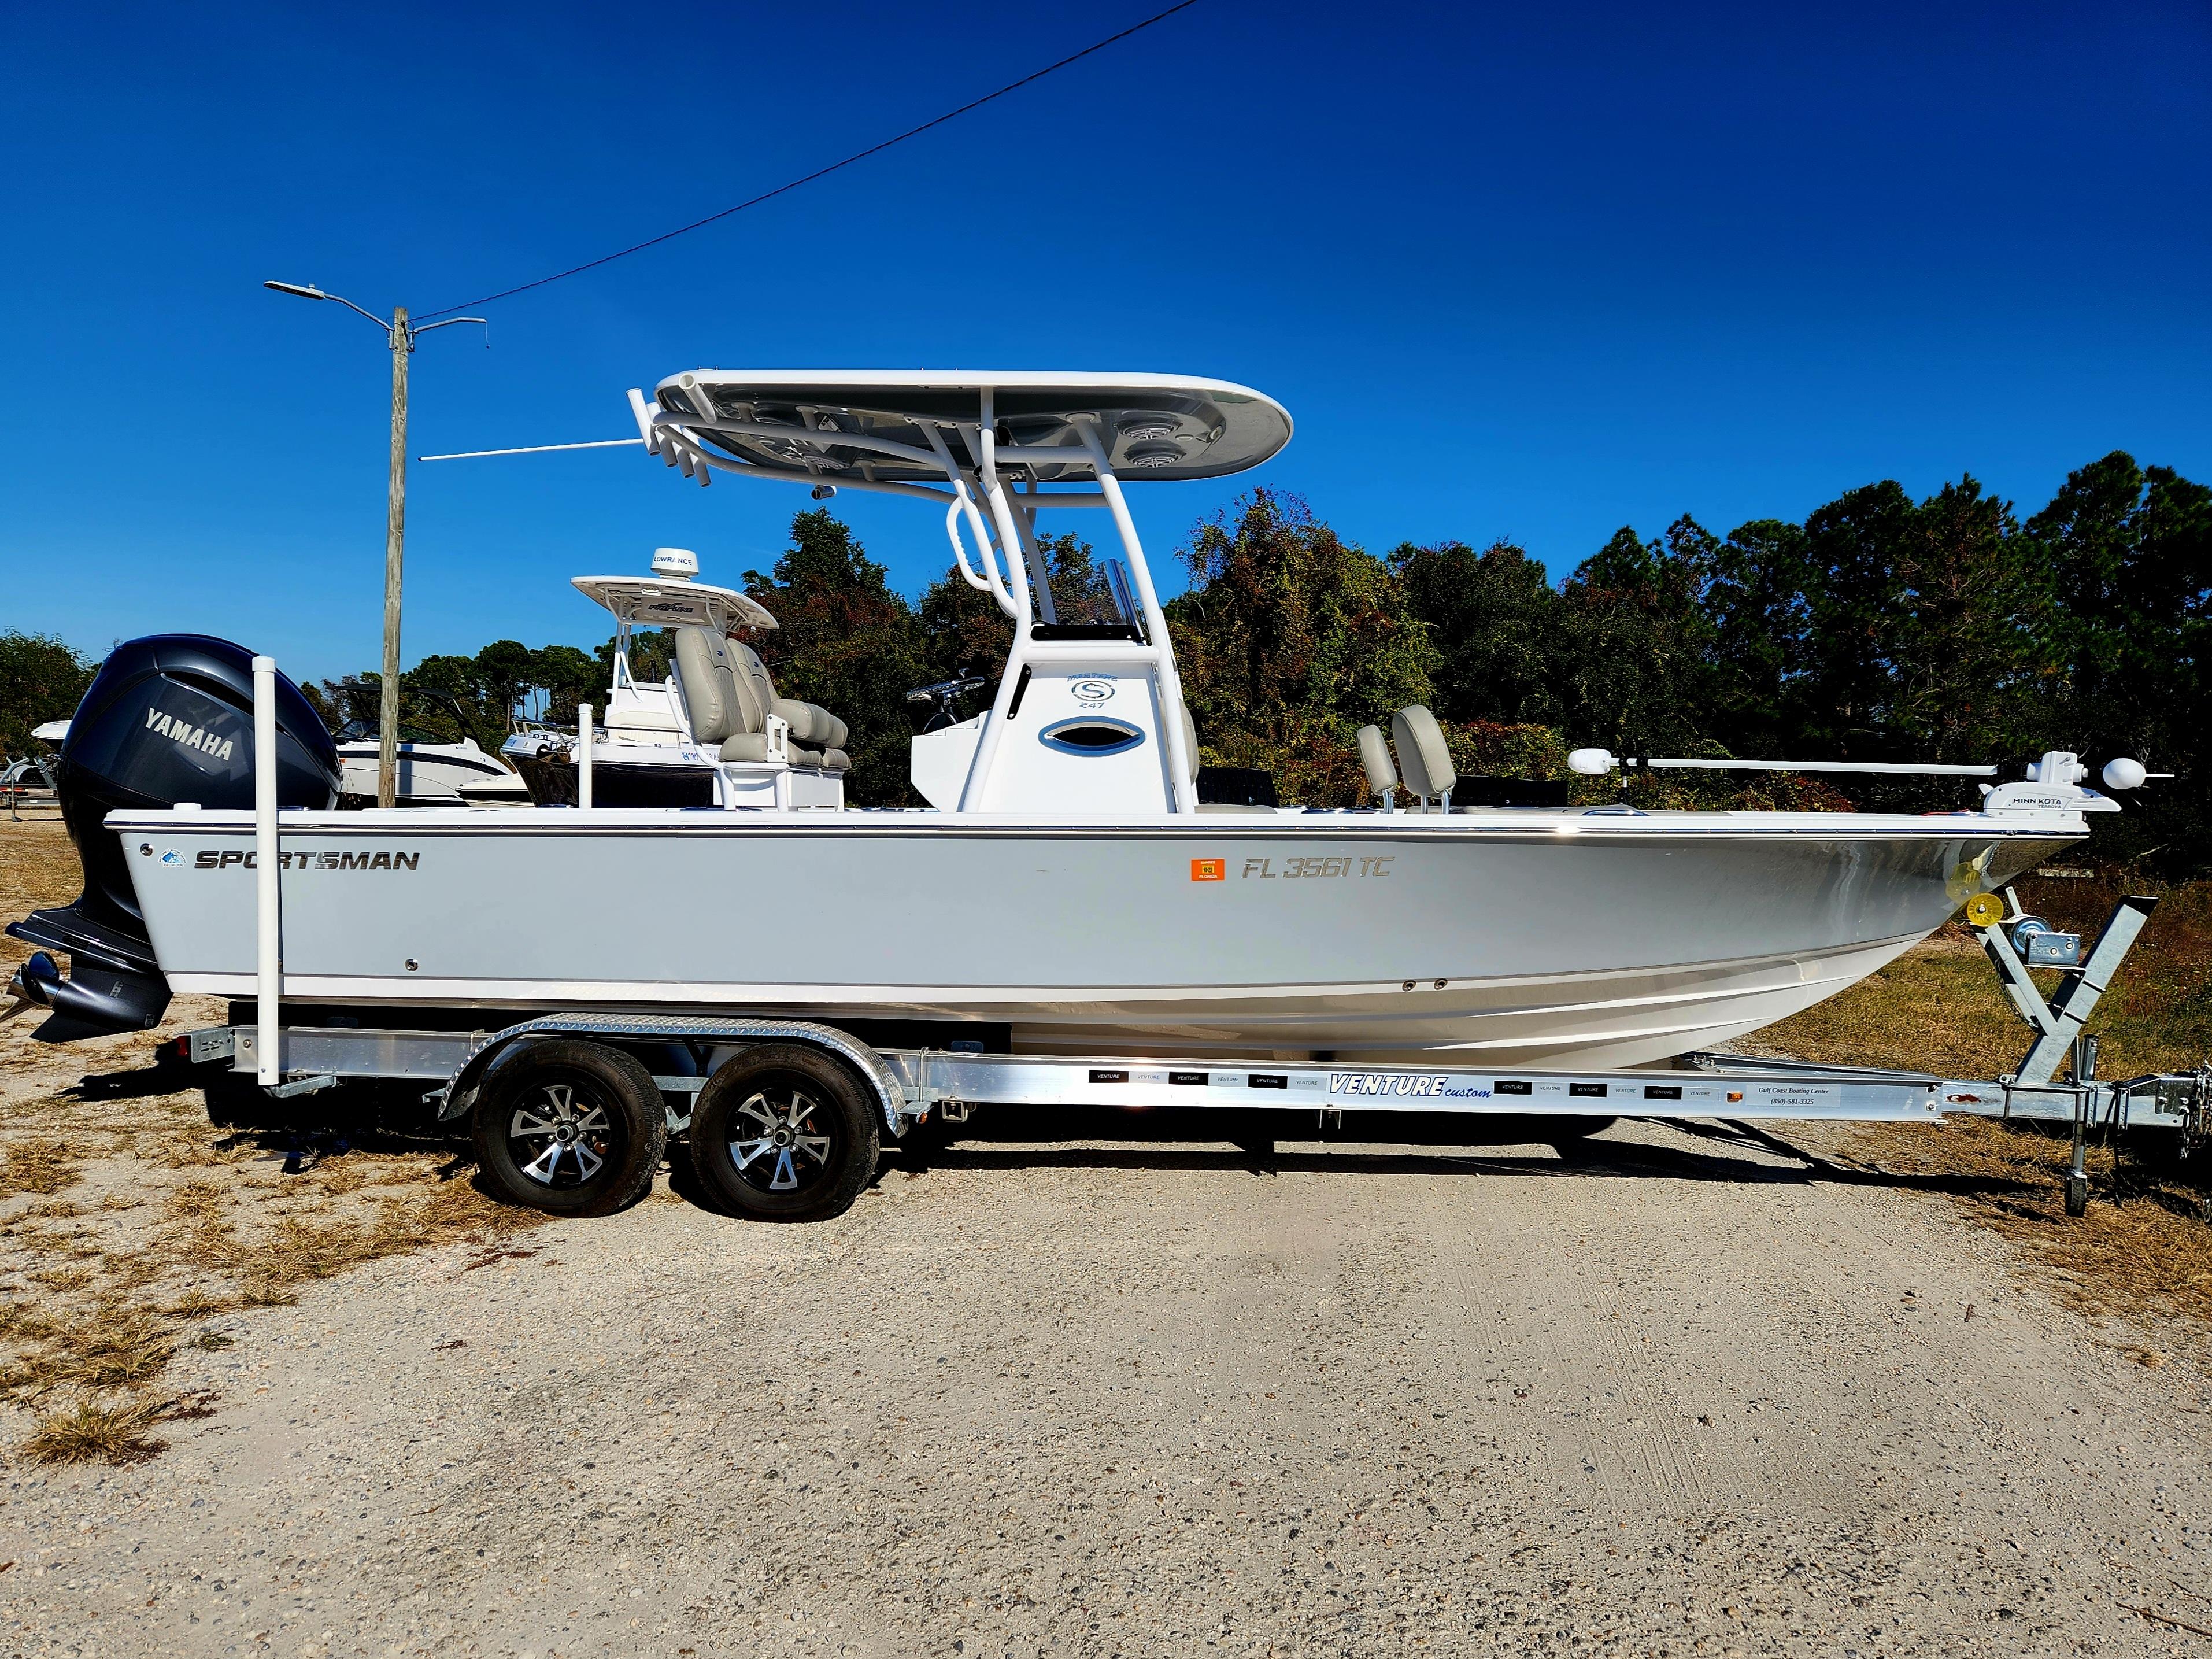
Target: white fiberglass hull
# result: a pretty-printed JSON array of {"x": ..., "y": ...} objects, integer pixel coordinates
[
  {"x": 1521, "y": 937},
  {"x": 425, "y": 774}
]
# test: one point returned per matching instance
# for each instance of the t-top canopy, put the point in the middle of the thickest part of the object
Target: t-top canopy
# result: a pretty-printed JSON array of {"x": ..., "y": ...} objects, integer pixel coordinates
[
  {"x": 1152, "y": 425},
  {"x": 657, "y": 602}
]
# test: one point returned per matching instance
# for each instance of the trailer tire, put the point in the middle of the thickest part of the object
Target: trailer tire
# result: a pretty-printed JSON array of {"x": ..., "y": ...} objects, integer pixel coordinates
[
  {"x": 569, "y": 1127},
  {"x": 785, "y": 1132}
]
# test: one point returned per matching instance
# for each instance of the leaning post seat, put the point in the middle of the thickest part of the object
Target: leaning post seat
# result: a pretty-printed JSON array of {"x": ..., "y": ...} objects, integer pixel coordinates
[
  {"x": 732, "y": 698},
  {"x": 1423, "y": 759},
  {"x": 710, "y": 698}
]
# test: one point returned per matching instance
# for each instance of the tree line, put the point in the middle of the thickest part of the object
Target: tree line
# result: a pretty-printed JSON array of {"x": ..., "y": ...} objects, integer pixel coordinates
[{"x": 1948, "y": 628}]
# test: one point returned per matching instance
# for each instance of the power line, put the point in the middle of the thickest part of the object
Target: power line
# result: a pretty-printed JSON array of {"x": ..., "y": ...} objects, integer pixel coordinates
[{"x": 820, "y": 173}]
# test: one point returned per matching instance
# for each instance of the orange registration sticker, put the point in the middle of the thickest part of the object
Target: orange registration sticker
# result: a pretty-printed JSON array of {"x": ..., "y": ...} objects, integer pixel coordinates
[{"x": 1209, "y": 870}]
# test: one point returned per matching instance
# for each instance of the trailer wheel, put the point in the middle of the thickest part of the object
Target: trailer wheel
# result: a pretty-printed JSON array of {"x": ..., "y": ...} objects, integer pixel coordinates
[
  {"x": 575, "y": 1128},
  {"x": 783, "y": 1133}
]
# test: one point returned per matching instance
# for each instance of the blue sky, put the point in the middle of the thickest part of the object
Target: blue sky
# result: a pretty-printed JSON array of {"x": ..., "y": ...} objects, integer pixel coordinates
[{"x": 1529, "y": 272}]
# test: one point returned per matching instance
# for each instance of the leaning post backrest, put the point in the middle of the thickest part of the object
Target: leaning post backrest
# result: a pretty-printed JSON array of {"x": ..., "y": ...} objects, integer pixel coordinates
[
  {"x": 748, "y": 710},
  {"x": 1423, "y": 760},
  {"x": 1375, "y": 761},
  {"x": 708, "y": 697},
  {"x": 753, "y": 678}
]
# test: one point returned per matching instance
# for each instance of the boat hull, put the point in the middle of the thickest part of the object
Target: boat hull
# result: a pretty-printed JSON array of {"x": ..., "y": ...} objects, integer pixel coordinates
[
  {"x": 1521, "y": 937},
  {"x": 423, "y": 775}
]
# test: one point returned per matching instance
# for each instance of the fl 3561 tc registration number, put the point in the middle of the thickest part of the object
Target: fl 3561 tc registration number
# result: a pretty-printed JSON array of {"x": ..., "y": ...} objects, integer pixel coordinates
[{"x": 1315, "y": 869}]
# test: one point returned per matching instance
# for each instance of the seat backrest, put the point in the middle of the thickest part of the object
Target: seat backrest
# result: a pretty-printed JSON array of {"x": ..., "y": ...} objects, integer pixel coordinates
[
  {"x": 1423, "y": 758},
  {"x": 753, "y": 682},
  {"x": 708, "y": 698},
  {"x": 1375, "y": 761}
]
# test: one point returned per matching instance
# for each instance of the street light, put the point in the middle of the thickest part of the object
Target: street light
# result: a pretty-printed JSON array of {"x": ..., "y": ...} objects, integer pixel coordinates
[{"x": 399, "y": 335}]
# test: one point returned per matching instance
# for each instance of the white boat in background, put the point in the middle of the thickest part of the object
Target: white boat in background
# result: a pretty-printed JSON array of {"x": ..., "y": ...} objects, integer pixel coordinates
[
  {"x": 432, "y": 771},
  {"x": 1071, "y": 889}
]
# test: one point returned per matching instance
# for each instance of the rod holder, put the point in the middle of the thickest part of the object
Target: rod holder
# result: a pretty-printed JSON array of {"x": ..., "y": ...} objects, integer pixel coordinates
[{"x": 584, "y": 757}]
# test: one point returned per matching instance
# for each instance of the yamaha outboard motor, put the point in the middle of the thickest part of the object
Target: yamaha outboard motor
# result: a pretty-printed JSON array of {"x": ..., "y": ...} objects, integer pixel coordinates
[{"x": 168, "y": 720}]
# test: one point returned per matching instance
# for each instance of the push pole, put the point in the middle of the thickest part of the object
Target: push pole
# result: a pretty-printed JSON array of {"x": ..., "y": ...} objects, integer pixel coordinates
[
  {"x": 395, "y": 532},
  {"x": 269, "y": 975}
]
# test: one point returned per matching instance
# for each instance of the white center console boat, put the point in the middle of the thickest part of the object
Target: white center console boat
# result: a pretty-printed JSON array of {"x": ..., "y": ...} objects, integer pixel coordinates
[
  {"x": 1066, "y": 893},
  {"x": 714, "y": 734}
]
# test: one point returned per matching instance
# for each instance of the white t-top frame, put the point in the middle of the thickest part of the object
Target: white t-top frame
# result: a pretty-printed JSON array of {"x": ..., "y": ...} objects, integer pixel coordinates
[{"x": 987, "y": 445}]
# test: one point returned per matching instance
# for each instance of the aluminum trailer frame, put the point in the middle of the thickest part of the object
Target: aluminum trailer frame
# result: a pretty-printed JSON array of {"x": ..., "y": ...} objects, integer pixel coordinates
[
  {"x": 907, "y": 1086},
  {"x": 911, "y": 1083}
]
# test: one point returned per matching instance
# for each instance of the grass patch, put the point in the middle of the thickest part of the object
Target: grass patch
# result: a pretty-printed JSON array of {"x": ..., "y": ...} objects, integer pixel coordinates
[
  {"x": 41, "y": 1166},
  {"x": 92, "y": 1431},
  {"x": 1937, "y": 1008},
  {"x": 115, "y": 1347},
  {"x": 169, "y": 1220},
  {"x": 2143, "y": 1247}
]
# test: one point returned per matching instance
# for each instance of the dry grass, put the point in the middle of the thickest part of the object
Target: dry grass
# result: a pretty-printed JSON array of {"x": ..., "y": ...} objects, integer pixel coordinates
[
  {"x": 1938, "y": 1008},
  {"x": 2149, "y": 1255},
  {"x": 115, "y": 1292},
  {"x": 91, "y": 1430},
  {"x": 38, "y": 1165},
  {"x": 2143, "y": 1251},
  {"x": 169, "y": 1222}
]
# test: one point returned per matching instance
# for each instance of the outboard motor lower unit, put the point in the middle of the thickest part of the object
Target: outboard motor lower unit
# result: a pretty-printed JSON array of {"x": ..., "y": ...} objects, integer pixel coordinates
[{"x": 168, "y": 720}]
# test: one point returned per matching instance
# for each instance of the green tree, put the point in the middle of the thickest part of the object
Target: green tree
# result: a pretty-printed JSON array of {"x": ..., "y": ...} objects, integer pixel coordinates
[
  {"x": 1635, "y": 645},
  {"x": 41, "y": 679},
  {"x": 1927, "y": 625},
  {"x": 2127, "y": 551},
  {"x": 1759, "y": 621},
  {"x": 848, "y": 642},
  {"x": 1496, "y": 623},
  {"x": 1289, "y": 640},
  {"x": 477, "y": 696}
]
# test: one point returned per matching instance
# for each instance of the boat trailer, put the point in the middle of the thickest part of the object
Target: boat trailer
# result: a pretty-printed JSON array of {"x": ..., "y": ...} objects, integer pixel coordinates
[{"x": 901, "y": 1088}]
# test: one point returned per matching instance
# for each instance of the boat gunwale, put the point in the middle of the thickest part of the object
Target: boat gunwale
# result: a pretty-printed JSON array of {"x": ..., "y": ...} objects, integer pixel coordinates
[{"x": 715, "y": 822}]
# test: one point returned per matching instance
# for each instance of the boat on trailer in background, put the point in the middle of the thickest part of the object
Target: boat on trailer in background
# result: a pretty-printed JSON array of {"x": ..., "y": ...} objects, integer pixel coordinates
[{"x": 1068, "y": 892}]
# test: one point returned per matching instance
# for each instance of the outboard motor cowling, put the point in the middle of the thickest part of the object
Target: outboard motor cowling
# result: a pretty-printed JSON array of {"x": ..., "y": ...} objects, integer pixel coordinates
[{"x": 168, "y": 719}]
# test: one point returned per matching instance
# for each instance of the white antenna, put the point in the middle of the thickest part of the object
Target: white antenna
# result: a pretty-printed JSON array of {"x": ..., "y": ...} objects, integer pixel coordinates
[{"x": 535, "y": 449}]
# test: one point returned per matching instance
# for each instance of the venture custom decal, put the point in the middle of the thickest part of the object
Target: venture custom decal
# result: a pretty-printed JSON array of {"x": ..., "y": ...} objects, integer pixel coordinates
[
  {"x": 193, "y": 737},
  {"x": 1386, "y": 1083}
]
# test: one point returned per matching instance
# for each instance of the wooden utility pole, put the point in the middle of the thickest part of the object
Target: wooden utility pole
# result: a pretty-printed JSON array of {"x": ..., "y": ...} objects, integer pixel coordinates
[
  {"x": 395, "y": 532},
  {"x": 400, "y": 334}
]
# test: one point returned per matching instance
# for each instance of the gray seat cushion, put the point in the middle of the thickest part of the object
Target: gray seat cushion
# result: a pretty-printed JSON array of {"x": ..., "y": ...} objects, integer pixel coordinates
[
  {"x": 710, "y": 695},
  {"x": 753, "y": 746},
  {"x": 1375, "y": 760},
  {"x": 1423, "y": 760},
  {"x": 811, "y": 722}
]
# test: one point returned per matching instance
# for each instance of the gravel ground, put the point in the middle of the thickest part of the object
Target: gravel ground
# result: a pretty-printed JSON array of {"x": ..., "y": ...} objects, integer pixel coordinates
[{"x": 1674, "y": 1396}]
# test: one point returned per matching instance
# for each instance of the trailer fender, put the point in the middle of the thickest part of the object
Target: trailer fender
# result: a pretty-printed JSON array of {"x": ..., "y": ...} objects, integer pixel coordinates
[{"x": 891, "y": 1099}]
